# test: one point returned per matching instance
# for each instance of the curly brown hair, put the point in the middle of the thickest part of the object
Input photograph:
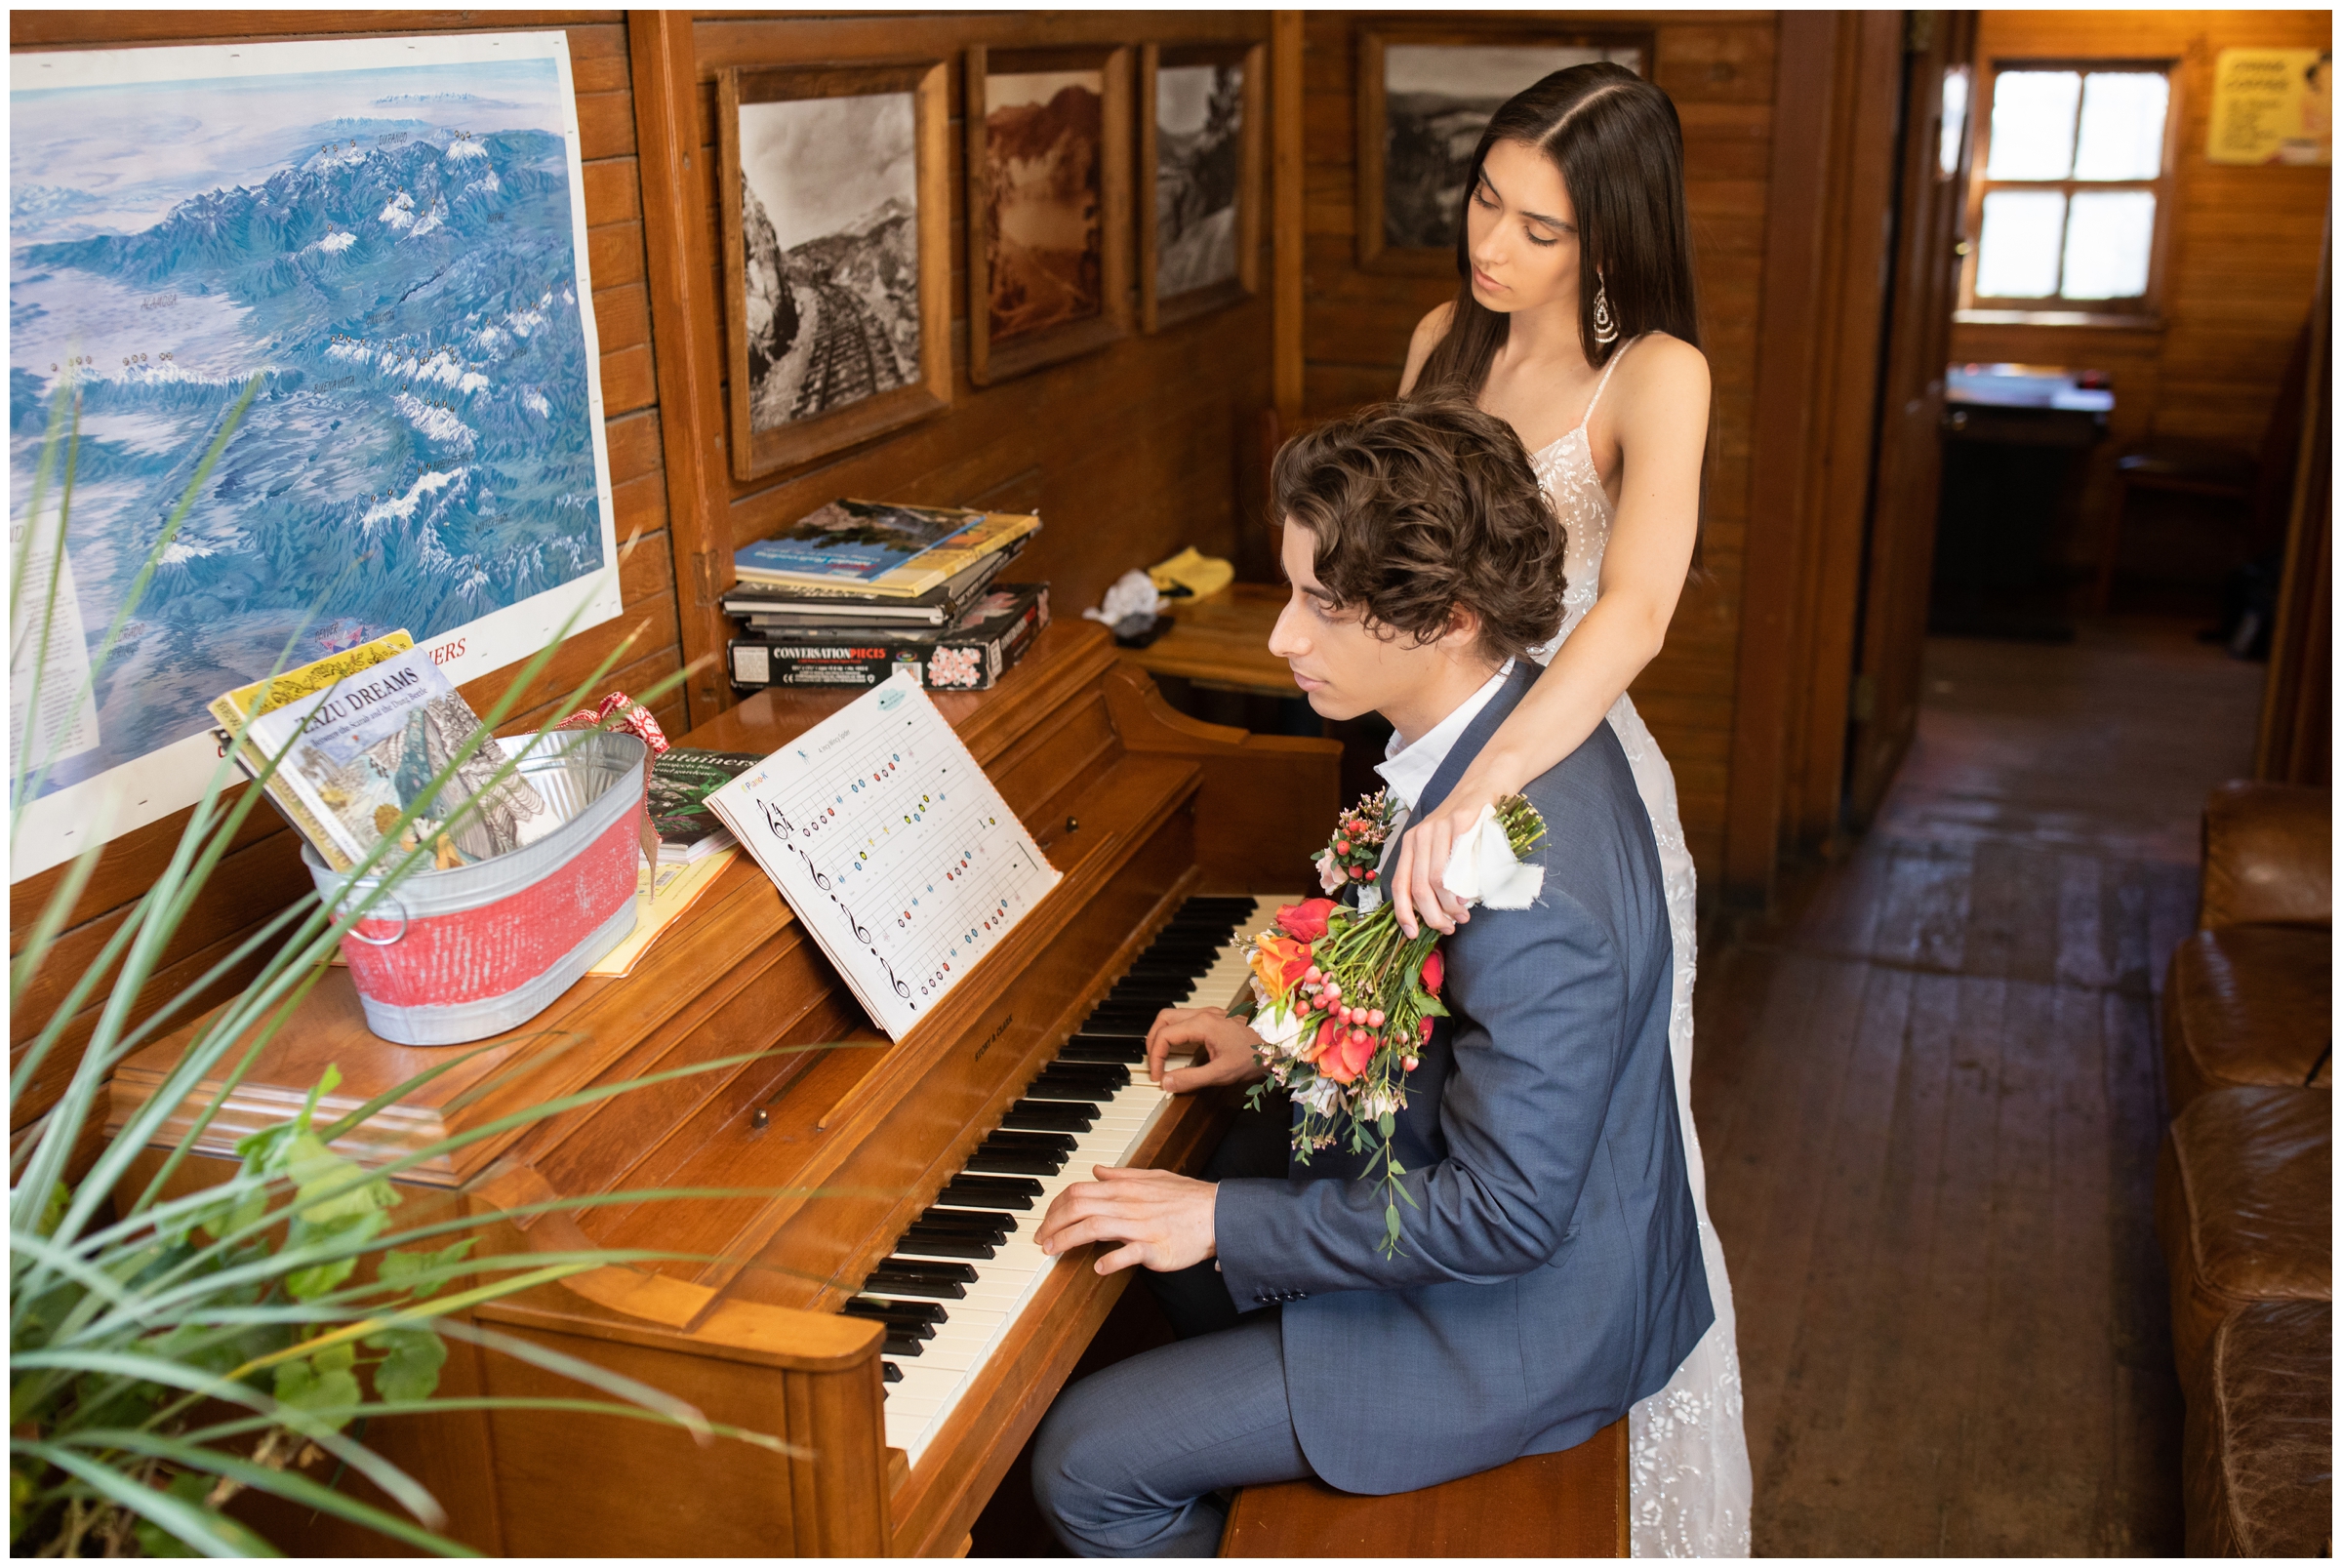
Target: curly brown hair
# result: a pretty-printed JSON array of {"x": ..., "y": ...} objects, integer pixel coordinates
[{"x": 1419, "y": 507}]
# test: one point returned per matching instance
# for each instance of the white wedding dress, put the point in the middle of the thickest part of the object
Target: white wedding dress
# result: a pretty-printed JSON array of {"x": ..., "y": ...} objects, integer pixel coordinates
[{"x": 1691, "y": 1488}]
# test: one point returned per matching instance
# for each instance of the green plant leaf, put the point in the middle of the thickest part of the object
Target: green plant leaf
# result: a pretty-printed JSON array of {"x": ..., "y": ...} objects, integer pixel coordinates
[
  {"x": 411, "y": 1371},
  {"x": 305, "y": 1385}
]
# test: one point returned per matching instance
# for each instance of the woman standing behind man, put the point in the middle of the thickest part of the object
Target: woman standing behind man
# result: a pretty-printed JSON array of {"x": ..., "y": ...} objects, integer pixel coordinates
[{"x": 1576, "y": 324}]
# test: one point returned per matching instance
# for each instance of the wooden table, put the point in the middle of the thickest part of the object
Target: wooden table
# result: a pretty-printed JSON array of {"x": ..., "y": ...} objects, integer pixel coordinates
[{"x": 1221, "y": 642}]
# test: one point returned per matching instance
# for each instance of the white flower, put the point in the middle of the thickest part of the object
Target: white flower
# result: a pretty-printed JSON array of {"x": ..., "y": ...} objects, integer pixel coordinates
[
  {"x": 1277, "y": 1027},
  {"x": 1481, "y": 868},
  {"x": 1321, "y": 1097},
  {"x": 1330, "y": 876}
]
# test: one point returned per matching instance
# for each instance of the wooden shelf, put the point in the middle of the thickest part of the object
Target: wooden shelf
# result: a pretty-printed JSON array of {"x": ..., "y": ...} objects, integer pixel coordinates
[{"x": 1222, "y": 642}]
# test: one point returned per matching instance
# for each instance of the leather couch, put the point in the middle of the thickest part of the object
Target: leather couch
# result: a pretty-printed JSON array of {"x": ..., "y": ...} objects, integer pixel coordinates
[{"x": 2244, "y": 1184}]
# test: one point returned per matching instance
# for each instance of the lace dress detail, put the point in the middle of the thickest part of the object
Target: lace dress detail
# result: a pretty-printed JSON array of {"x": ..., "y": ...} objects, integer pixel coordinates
[{"x": 1691, "y": 1487}]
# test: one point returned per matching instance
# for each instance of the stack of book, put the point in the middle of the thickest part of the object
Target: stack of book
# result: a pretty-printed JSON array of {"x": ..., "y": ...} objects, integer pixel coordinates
[{"x": 861, "y": 588}]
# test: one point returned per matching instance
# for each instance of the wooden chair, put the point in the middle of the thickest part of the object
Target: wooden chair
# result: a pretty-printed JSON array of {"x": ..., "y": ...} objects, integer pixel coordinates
[
  {"x": 1567, "y": 1504},
  {"x": 2258, "y": 485}
]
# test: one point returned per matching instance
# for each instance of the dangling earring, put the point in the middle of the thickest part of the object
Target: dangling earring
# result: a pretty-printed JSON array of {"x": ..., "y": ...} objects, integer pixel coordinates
[{"x": 1605, "y": 325}]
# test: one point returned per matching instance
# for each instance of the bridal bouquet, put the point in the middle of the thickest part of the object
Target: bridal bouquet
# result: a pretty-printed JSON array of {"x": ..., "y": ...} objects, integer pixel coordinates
[{"x": 1343, "y": 999}]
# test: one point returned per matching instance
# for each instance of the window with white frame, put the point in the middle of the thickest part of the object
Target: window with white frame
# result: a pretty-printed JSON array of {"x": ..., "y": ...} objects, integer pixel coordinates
[{"x": 2071, "y": 189}]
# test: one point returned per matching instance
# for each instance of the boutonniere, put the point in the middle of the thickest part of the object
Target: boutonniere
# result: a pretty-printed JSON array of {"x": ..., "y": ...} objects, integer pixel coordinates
[{"x": 1343, "y": 1001}]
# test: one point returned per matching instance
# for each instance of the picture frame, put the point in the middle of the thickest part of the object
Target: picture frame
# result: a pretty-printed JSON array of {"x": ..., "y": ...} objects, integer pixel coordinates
[
  {"x": 1034, "y": 298},
  {"x": 1167, "y": 258},
  {"x": 1443, "y": 105},
  {"x": 837, "y": 303}
]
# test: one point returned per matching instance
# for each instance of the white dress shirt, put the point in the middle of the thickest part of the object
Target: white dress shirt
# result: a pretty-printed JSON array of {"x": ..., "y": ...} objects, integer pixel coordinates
[{"x": 1409, "y": 769}]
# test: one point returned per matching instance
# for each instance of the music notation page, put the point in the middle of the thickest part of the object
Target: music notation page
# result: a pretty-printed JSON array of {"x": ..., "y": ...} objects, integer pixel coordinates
[{"x": 891, "y": 846}]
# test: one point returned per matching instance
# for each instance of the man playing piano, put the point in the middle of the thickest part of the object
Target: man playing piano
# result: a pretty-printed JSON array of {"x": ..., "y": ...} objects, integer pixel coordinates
[{"x": 1550, "y": 1274}]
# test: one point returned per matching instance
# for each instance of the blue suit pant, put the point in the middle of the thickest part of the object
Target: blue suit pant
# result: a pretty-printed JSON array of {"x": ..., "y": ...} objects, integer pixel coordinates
[{"x": 1128, "y": 1459}]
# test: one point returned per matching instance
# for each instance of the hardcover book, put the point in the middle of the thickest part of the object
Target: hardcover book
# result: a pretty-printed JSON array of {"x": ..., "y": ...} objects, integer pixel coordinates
[
  {"x": 362, "y": 751},
  {"x": 896, "y": 553},
  {"x": 937, "y": 607}
]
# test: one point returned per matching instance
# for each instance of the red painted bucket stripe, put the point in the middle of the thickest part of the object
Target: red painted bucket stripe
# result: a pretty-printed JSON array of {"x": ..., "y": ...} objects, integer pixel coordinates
[{"x": 494, "y": 948}]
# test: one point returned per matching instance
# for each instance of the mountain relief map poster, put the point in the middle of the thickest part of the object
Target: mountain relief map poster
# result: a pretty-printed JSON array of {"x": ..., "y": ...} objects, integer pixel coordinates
[{"x": 389, "y": 236}]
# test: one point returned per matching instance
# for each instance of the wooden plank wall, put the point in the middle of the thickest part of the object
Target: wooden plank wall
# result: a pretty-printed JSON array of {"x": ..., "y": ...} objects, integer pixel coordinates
[
  {"x": 264, "y": 874},
  {"x": 1720, "y": 69},
  {"x": 1128, "y": 454},
  {"x": 2244, "y": 261}
]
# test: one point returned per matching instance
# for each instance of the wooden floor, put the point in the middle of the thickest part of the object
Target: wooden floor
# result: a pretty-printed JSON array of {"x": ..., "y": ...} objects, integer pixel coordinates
[{"x": 1930, "y": 1100}]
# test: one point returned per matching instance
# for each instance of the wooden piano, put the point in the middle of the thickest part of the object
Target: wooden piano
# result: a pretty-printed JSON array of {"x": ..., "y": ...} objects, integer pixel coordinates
[{"x": 829, "y": 1156}]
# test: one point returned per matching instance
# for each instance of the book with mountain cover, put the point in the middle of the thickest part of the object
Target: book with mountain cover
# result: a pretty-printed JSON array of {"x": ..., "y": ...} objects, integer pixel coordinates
[
  {"x": 237, "y": 709},
  {"x": 893, "y": 551},
  {"x": 937, "y": 607},
  {"x": 359, "y": 752},
  {"x": 681, "y": 779}
]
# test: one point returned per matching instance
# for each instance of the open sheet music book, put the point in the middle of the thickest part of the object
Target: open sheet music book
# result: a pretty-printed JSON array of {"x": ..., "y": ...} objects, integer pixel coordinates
[{"x": 891, "y": 846}]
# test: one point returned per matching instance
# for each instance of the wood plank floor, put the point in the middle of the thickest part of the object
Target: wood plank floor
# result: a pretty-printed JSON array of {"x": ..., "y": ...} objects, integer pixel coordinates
[{"x": 1929, "y": 1093}]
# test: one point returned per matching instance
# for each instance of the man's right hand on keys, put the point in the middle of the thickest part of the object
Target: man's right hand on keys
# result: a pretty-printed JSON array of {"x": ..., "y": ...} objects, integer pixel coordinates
[{"x": 1228, "y": 1050}]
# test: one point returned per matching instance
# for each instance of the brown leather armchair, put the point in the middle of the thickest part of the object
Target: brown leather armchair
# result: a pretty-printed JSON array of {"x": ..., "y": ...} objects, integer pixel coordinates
[{"x": 2244, "y": 1184}]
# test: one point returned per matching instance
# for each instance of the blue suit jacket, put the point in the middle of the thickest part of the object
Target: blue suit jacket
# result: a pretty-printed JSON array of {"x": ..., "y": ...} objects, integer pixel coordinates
[{"x": 1550, "y": 1275}]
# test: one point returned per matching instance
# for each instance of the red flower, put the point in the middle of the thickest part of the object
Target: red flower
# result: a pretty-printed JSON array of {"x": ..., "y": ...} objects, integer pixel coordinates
[
  {"x": 1305, "y": 921},
  {"x": 1326, "y": 1033},
  {"x": 1434, "y": 970},
  {"x": 1348, "y": 1055},
  {"x": 1423, "y": 1027}
]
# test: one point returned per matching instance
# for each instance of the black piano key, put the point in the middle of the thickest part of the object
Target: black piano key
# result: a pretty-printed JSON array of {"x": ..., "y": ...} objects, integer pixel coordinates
[
  {"x": 941, "y": 1244},
  {"x": 895, "y": 1346},
  {"x": 891, "y": 1373},
  {"x": 923, "y": 1268},
  {"x": 979, "y": 1222},
  {"x": 1036, "y": 1116},
  {"x": 1104, "y": 1049},
  {"x": 1108, "y": 1075},
  {"x": 1001, "y": 1162},
  {"x": 1040, "y": 1142},
  {"x": 966, "y": 1191},
  {"x": 879, "y": 1306},
  {"x": 887, "y": 1280},
  {"x": 1096, "y": 1029},
  {"x": 902, "y": 1328}
]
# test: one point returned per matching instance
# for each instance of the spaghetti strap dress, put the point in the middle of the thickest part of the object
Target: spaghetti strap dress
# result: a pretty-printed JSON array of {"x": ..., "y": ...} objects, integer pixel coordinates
[{"x": 1690, "y": 1487}]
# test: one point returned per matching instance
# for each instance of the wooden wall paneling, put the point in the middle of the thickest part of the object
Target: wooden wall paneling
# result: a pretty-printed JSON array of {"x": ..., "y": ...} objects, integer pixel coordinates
[
  {"x": 1789, "y": 324},
  {"x": 666, "y": 130},
  {"x": 2296, "y": 739},
  {"x": 262, "y": 873},
  {"x": 1903, "y": 513},
  {"x": 1286, "y": 44},
  {"x": 1862, "y": 189}
]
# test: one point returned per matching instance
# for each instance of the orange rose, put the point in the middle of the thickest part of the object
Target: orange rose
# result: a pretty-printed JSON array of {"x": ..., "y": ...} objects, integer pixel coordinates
[
  {"x": 1348, "y": 1055},
  {"x": 1281, "y": 962},
  {"x": 1327, "y": 1032}
]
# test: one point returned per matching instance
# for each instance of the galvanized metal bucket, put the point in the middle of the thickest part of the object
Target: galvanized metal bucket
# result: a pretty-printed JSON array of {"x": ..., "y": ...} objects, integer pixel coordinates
[{"x": 449, "y": 956}]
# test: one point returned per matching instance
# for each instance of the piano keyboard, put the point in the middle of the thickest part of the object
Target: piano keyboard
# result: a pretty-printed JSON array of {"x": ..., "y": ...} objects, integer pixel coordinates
[{"x": 960, "y": 1277}]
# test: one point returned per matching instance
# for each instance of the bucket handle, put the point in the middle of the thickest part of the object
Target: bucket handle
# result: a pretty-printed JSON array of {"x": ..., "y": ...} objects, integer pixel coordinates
[{"x": 352, "y": 932}]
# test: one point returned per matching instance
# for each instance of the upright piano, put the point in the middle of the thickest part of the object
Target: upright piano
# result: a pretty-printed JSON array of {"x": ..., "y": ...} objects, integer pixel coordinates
[{"x": 863, "y": 1284}]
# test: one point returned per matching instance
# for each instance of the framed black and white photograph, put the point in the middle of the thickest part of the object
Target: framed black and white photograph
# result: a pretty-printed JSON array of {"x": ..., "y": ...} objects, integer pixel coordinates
[
  {"x": 1048, "y": 206},
  {"x": 1201, "y": 109},
  {"x": 1424, "y": 96},
  {"x": 835, "y": 194}
]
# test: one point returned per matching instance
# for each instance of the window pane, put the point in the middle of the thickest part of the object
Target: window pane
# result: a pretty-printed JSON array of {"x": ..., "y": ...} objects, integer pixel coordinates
[
  {"x": 2122, "y": 126},
  {"x": 2107, "y": 241},
  {"x": 2017, "y": 259},
  {"x": 2033, "y": 124},
  {"x": 1955, "y": 120}
]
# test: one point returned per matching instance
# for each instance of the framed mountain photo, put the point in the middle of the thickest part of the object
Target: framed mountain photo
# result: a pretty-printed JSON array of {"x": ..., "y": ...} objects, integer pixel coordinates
[
  {"x": 1424, "y": 95},
  {"x": 836, "y": 199},
  {"x": 1048, "y": 206},
  {"x": 1202, "y": 108}
]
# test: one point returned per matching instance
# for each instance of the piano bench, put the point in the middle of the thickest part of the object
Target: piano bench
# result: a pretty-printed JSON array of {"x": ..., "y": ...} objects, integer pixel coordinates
[{"x": 1567, "y": 1504}]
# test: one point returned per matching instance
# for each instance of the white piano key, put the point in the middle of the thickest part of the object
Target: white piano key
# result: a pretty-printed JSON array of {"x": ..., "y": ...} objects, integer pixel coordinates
[{"x": 976, "y": 1324}]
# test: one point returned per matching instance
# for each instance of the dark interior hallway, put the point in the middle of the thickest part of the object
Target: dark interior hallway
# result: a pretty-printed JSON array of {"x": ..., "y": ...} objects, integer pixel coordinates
[{"x": 1930, "y": 1096}]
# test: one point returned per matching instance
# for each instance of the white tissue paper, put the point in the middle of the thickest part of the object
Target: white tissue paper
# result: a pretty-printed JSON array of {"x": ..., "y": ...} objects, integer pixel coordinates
[
  {"x": 1132, "y": 594},
  {"x": 1481, "y": 869}
]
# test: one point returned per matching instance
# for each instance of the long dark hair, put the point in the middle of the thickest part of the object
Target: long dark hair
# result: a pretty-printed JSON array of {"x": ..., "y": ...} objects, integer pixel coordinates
[{"x": 1620, "y": 148}]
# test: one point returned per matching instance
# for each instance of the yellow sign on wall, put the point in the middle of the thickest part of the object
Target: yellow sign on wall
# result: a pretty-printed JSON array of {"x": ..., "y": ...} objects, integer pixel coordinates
[{"x": 2272, "y": 105}]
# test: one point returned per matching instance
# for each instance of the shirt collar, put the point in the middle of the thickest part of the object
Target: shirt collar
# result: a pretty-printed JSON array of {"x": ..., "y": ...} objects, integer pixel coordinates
[{"x": 1408, "y": 770}]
